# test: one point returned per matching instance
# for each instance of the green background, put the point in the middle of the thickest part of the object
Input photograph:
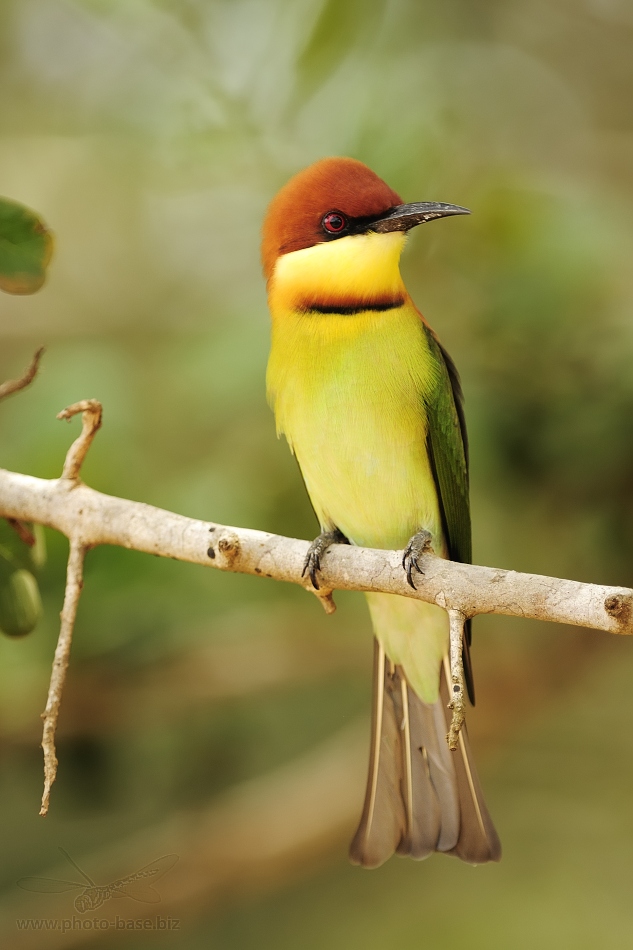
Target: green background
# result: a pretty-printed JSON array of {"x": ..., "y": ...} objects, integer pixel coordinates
[{"x": 151, "y": 136}]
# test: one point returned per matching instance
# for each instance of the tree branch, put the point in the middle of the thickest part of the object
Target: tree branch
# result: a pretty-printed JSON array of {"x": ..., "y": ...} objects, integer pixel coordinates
[{"x": 89, "y": 518}]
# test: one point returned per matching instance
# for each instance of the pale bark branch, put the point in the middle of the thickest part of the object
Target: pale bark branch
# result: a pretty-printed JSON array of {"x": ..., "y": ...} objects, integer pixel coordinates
[
  {"x": 74, "y": 584},
  {"x": 91, "y": 414},
  {"x": 93, "y": 518},
  {"x": 89, "y": 518},
  {"x": 456, "y": 619}
]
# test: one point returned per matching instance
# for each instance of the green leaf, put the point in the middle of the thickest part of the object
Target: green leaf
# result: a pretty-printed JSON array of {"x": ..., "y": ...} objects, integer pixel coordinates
[
  {"x": 20, "y": 604},
  {"x": 26, "y": 247}
]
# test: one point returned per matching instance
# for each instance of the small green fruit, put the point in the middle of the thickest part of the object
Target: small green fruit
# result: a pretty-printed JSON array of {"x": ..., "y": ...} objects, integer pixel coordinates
[{"x": 20, "y": 604}]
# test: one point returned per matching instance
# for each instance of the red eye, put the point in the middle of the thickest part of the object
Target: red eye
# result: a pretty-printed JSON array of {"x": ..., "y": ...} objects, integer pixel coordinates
[{"x": 333, "y": 222}]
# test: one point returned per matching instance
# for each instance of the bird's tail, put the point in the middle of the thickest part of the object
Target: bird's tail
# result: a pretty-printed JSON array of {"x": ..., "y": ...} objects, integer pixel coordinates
[{"x": 420, "y": 796}]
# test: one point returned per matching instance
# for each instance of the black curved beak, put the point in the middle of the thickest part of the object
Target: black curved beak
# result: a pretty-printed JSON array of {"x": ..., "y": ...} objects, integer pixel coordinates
[{"x": 405, "y": 217}]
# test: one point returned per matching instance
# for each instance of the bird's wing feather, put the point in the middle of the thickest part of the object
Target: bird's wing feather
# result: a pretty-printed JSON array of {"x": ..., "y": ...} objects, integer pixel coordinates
[
  {"x": 448, "y": 450},
  {"x": 447, "y": 444}
]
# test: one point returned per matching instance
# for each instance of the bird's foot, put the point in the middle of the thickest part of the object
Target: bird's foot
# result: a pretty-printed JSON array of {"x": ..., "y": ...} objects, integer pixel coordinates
[
  {"x": 419, "y": 544},
  {"x": 312, "y": 563},
  {"x": 456, "y": 679}
]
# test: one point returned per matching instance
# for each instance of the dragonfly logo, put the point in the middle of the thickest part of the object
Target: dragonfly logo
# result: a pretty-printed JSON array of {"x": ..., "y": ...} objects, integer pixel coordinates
[{"x": 138, "y": 886}]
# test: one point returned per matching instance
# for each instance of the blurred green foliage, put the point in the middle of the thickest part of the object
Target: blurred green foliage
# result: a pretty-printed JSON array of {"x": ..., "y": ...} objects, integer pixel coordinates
[
  {"x": 151, "y": 135},
  {"x": 25, "y": 249}
]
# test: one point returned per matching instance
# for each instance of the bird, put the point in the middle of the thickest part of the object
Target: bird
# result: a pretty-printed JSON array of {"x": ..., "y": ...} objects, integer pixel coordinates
[{"x": 371, "y": 406}]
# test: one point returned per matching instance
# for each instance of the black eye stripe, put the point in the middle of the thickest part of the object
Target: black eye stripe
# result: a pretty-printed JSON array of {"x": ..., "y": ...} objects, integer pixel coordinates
[{"x": 335, "y": 224}]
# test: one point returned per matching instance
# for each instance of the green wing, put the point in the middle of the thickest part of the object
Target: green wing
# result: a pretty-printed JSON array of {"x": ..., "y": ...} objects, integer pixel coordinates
[
  {"x": 448, "y": 450},
  {"x": 449, "y": 453}
]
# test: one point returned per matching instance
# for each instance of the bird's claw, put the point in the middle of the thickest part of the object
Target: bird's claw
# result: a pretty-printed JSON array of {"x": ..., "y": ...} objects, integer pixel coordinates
[
  {"x": 409, "y": 569},
  {"x": 312, "y": 563},
  {"x": 417, "y": 546}
]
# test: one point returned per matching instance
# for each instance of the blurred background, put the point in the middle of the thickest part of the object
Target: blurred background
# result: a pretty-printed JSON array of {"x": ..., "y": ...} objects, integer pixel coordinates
[{"x": 226, "y": 718}]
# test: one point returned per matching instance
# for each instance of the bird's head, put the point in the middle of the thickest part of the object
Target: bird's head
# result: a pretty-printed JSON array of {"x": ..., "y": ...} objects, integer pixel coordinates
[{"x": 336, "y": 231}]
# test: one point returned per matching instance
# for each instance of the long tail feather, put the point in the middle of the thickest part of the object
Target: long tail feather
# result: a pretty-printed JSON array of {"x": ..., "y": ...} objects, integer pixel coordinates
[
  {"x": 383, "y": 821},
  {"x": 478, "y": 840},
  {"x": 420, "y": 796}
]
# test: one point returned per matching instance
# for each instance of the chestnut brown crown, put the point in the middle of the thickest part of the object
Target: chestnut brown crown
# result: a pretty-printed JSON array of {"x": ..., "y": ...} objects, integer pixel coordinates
[{"x": 295, "y": 216}]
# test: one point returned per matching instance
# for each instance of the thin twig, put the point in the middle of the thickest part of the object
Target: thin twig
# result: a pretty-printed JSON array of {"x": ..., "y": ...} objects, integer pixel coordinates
[
  {"x": 456, "y": 684},
  {"x": 23, "y": 532},
  {"x": 6, "y": 389},
  {"x": 74, "y": 584},
  {"x": 92, "y": 413},
  {"x": 325, "y": 596},
  {"x": 15, "y": 385},
  {"x": 91, "y": 422}
]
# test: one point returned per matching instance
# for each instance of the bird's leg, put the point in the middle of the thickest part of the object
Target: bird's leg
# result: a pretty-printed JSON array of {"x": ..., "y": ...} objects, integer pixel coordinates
[
  {"x": 417, "y": 546},
  {"x": 456, "y": 681},
  {"x": 312, "y": 563}
]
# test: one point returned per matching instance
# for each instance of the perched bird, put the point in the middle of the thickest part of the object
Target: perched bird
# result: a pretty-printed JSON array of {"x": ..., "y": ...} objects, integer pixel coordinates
[{"x": 371, "y": 406}]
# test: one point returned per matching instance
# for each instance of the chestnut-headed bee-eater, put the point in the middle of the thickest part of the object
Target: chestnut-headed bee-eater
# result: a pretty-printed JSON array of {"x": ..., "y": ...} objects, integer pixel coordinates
[{"x": 371, "y": 406}]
